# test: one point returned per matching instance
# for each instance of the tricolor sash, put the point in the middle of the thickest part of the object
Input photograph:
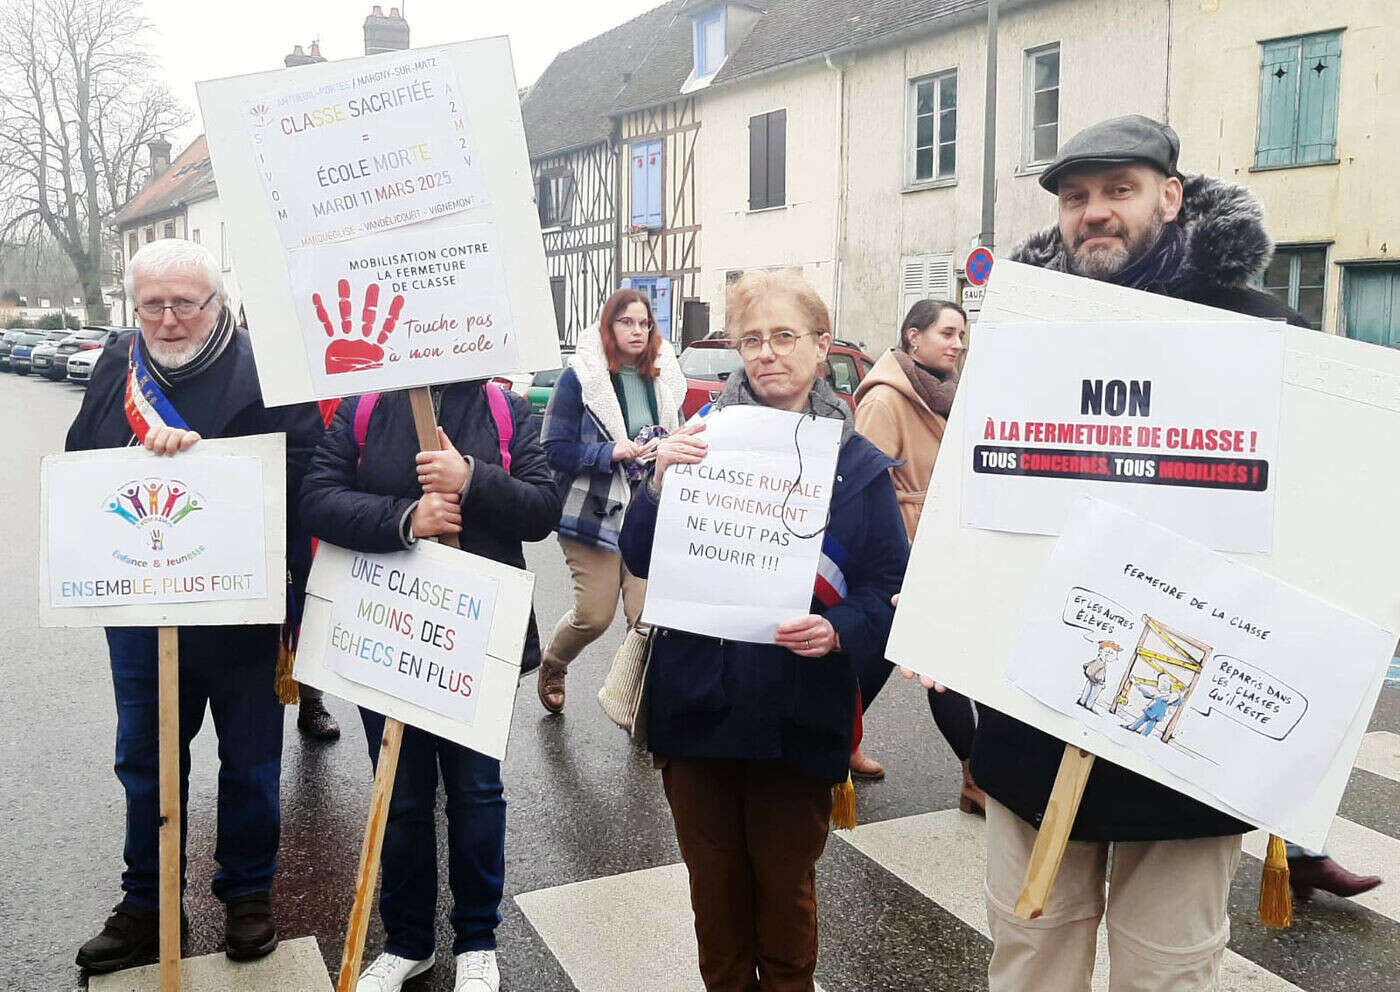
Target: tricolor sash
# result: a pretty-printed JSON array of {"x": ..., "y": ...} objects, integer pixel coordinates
[
  {"x": 831, "y": 573},
  {"x": 146, "y": 406}
]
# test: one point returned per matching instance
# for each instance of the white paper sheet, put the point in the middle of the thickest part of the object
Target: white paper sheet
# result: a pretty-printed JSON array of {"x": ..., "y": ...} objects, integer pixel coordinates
[
  {"x": 1214, "y": 671},
  {"x": 401, "y": 308},
  {"x": 366, "y": 148},
  {"x": 485, "y": 605},
  {"x": 1175, "y": 421},
  {"x": 738, "y": 537}
]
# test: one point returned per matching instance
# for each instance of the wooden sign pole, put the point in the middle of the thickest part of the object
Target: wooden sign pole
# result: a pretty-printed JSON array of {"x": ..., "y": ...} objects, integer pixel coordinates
[
  {"x": 425, "y": 422},
  {"x": 168, "y": 745},
  {"x": 1053, "y": 836}
]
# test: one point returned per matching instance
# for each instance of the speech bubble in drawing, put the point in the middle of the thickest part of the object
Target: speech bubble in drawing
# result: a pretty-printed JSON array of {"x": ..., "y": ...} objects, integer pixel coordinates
[
  {"x": 1093, "y": 612},
  {"x": 1250, "y": 696}
]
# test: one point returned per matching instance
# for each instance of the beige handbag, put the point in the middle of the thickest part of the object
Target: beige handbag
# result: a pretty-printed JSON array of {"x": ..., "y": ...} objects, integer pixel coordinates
[{"x": 623, "y": 693}]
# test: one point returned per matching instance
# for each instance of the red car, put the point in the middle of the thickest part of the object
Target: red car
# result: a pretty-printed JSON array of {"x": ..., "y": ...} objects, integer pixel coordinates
[{"x": 708, "y": 363}]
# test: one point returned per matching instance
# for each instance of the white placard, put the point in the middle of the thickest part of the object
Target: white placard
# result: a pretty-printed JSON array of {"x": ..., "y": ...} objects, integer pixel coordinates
[
  {"x": 388, "y": 311},
  {"x": 1175, "y": 421},
  {"x": 1335, "y": 530},
  {"x": 128, "y": 538},
  {"x": 1207, "y": 668},
  {"x": 366, "y": 149},
  {"x": 431, "y": 637},
  {"x": 739, "y": 536},
  {"x": 490, "y": 200}
]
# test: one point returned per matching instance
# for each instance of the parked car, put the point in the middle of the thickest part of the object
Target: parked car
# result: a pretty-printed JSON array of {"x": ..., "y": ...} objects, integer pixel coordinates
[
  {"x": 709, "y": 362},
  {"x": 80, "y": 365},
  {"x": 21, "y": 355},
  {"x": 541, "y": 386},
  {"x": 7, "y": 343},
  {"x": 88, "y": 338}
]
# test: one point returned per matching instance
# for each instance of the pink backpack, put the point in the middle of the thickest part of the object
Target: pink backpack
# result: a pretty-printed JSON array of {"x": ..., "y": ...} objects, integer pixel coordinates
[{"x": 495, "y": 396}]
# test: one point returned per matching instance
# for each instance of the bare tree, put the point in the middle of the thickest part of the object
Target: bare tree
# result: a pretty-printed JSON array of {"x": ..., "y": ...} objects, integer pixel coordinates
[{"x": 77, "y": 105}]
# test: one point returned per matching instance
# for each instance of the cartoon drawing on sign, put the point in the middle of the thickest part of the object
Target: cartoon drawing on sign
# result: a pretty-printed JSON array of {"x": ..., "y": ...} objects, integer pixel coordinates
[
  {"x": 348, "y": 353},
  {"x": 158, "y": 514},
  {"x": 1164, "y": 669},
  {"x": 1096, "y": 673}
]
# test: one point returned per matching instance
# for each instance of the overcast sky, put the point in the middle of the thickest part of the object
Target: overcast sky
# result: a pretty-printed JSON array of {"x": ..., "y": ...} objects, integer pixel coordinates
[{"x": 193, "y": 41}]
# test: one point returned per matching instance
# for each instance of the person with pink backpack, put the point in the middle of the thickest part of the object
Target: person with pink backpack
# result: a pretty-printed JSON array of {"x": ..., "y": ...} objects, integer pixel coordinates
[{"x": 369, "y": 488}]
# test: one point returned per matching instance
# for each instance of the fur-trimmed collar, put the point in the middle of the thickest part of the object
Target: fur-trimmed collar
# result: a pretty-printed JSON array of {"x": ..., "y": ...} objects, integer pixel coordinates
[
  {"x": 1226, "y": 244},
  {"x": 591, "y": 366}
]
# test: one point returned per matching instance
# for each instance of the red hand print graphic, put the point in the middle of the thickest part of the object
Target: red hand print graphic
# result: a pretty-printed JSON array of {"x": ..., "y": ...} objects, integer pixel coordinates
[{"x": 347, "y": 353}]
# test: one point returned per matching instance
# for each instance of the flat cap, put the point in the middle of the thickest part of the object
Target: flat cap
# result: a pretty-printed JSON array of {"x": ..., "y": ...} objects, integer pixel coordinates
[{"x": 1112, "y": 142}]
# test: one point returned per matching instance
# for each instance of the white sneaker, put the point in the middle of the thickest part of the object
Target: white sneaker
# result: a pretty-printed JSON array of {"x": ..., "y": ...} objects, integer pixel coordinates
[
  {"x": 389, "y": 972},
  {"x": 477, "y": 972}
]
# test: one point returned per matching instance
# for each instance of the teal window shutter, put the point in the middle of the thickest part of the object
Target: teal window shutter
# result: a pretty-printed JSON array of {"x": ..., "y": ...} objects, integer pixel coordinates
[
  {"x": 1319, "y": 74},
  {"x": 1278, "y": 103},
  {"x": 1298, "y": 94}
]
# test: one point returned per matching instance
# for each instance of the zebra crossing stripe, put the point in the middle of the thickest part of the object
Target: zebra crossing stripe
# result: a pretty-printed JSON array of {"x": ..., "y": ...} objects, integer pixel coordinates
[
  {"x": 621, "y": 933},
  {"x": 1380, "y": 754},
  {"x": 943, "y": 856}
]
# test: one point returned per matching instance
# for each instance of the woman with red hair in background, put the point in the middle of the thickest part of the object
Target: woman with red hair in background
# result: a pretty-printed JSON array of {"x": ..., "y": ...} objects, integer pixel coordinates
[{"x": 623, "y": 387}]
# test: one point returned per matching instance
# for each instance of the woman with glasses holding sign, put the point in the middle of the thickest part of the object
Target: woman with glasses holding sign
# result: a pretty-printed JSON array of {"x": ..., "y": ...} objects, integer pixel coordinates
[
  {"x": 370, "y": 489},
  {"x": 623, "y": 388},
  {"x": 751, "y": 738}
]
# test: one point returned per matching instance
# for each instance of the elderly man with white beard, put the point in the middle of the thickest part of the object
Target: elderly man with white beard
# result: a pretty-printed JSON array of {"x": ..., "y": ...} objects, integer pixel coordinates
[{"x": 188, "y": 374}]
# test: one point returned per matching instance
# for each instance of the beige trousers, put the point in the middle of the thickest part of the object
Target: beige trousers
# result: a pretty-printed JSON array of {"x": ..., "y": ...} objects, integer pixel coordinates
[
  {"x": 1167, "y": 912},
  {"x": 599, "y": 577}
]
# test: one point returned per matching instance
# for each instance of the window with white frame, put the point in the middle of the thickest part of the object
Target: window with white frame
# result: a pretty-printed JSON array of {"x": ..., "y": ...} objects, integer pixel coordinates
[
  {"x": 932, "y": 128},
  {"x": 1297, "y": 275},
  {"x": 1041, "y": 128},
  {"x": 709, "y": 42}
]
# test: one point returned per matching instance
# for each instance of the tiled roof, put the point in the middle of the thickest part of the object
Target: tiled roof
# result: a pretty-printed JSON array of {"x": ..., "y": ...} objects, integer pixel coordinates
[
  {"x": 571, "y": 104},
  {"x": 188, "y": 180},
  {"x": 793, "y": 30}
]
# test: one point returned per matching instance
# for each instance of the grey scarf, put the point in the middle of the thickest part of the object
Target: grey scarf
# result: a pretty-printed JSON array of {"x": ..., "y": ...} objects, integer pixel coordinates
[{"x": 822, "y": 401}]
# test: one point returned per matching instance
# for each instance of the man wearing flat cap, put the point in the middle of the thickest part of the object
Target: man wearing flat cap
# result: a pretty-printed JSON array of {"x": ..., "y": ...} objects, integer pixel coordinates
[{"x": 1128, "y": 217}]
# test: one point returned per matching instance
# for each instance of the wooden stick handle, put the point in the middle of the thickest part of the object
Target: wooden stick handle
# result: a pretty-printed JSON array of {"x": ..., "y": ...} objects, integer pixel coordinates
[
  {"x": 425, "y": 424},
  {"x": 385, "y": 770},
  {"x": 1053, "y": 836},
  {"x": 168, "y": 706}
]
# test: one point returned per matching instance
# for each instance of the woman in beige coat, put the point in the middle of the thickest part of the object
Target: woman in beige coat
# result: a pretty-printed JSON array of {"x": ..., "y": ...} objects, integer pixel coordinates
[{"x": 902, "y": 408}]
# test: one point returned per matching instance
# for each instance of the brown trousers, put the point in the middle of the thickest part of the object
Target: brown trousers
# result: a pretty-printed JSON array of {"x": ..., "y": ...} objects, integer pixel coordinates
[{"x": 751, "y": 833}]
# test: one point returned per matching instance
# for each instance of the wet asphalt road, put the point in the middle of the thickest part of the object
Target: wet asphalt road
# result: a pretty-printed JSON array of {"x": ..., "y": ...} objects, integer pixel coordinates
[{"x": 583, "y": 804}]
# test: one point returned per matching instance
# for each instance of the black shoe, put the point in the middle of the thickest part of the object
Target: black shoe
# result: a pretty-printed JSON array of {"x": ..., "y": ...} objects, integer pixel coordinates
[
  {"x": 315, "y": 721},
  {"x": 249, "y": 931},
  {"x": 129, "y": 935}
]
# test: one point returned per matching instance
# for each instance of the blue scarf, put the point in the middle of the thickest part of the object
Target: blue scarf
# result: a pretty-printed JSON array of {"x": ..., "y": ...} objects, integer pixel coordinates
[{"x": 1159, "y": 265}]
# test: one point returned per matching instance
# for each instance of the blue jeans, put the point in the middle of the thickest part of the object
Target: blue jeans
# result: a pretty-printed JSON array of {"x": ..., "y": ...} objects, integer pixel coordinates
[
  {"x": 476, "y": 843},
  {"x": 1090, "y": 696},
  {"x": 237, "y": 686}
]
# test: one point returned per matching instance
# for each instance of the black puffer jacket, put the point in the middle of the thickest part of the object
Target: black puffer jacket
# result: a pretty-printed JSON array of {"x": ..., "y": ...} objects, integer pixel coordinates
[
  {"x": 1226, "y": 246},
  {"x": 357, "y": 499}
]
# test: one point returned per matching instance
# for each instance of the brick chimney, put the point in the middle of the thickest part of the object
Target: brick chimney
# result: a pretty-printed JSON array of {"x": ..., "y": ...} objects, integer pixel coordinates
[
  {"x": 160, "y": 157},
  {"x": 385, "y": 33},
  {"x": 299, "y": 57}
]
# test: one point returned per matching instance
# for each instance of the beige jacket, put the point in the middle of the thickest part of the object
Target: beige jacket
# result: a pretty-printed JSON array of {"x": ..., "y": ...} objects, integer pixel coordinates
[{"x": 893, "y": 418}]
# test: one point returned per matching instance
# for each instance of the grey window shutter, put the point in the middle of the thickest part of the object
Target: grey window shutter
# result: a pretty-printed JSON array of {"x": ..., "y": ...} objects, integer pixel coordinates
[
  {"x": 777, "y": 158},
  {"x": 758, "y": 162}
]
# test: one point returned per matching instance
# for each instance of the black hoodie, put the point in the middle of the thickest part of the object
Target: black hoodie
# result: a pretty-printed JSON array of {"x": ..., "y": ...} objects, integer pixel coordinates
[{"x": 1226, "y": 248}]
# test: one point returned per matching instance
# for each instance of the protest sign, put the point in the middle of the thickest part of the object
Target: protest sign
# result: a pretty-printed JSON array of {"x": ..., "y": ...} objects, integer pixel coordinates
[
  {"x": 365, "y": 148},
  {"x": 431, "y": 637},
  {"x": 1333, "y": 530},
  {"x": 739, "y": 536},
  {"x": 128, "y": 538},
  {"x": 1130, "y": 413},
  {"x": 381, "y": 218},
  {"x": 1214, "y": 671}
]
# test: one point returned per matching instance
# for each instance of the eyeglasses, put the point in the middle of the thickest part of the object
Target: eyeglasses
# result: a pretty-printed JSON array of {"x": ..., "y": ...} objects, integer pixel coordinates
[
  {"x": 183, "y": 309},
  {"x": 629, "y": 323},
  {"x": 783, "y": 343}
]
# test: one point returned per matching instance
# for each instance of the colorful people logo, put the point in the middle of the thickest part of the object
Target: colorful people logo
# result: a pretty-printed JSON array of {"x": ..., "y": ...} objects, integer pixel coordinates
[
  {"x": 347, "y": 353},
  {"x": 153, "y": 506}
]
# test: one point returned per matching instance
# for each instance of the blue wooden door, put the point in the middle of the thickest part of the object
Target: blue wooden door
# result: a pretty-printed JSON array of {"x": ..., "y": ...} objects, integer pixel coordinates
[{"x": 1371, "y": 299}]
